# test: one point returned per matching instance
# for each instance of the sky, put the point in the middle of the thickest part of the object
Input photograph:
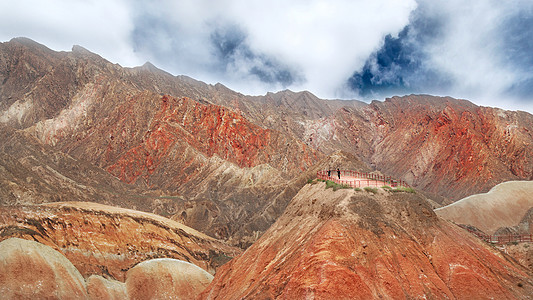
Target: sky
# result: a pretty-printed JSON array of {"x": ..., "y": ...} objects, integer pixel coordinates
[{"x": 480, "y": 50}]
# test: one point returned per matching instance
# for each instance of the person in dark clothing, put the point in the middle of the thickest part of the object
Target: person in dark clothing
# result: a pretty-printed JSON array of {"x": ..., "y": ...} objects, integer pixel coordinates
[
  {"x": 339, "y": 173},
  {"x": 329, "y": 173}
]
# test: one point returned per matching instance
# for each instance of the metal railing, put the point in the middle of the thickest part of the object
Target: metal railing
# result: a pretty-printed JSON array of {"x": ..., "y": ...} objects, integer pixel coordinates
[
  {"x": 363, "y": 179},
  {"x": 501, "y": 238}
]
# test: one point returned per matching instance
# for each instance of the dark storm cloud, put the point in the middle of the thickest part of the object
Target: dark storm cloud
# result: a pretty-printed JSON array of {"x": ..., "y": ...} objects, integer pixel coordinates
[
  {"x": 232, "y": 51},
  {"x": 228, "y": 42},
  {"x": 399, "y": 66},
  {"x": 402, "y": 65}
]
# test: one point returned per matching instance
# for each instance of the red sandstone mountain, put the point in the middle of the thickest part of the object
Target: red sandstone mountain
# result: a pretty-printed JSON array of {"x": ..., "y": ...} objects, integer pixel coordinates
[
  {"x": 222, "y": 160},
  {"x": 440, "y": 145},
  {"x": 115, "y": 119},
  {"x": 76, "y": 127},
  {"x": 31, "y": 172},
  {"x": 108, "y": 241},
  {"x": 358, "y": 245}
]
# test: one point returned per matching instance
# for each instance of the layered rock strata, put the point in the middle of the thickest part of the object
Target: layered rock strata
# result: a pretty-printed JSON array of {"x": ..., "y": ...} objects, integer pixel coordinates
[{"x": 108, "y": 241}]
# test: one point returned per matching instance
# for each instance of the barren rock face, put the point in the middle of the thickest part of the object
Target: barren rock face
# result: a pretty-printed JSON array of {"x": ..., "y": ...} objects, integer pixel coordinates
[
  {"x": 33, "y": 173},
  {"x": 30, "y": 270},
  {"x": 166, "y": 279},
  {"x": 357, "y": 245},
  {"x": 441, "y": 145},
  {"x": 180, "y": 148},
  {"x": 106, "y": 240}
]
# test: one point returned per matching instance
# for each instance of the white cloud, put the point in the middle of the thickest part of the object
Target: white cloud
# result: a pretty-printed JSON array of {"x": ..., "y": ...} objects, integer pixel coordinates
[
  {"x": 470, "y": 51},
  {"x": 327, "y": 40},
  {"x": 321, "y": 43},
  {"x": 101, "y": 26}
]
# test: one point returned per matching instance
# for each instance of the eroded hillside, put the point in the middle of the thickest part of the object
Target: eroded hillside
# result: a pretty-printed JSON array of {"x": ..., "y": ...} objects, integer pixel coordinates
[
  {"x": 108, "y": 241},
  {"x": 359, "y": 245}
]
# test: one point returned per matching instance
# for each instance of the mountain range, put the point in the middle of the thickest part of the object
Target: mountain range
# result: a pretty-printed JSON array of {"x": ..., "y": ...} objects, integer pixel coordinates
[
  {"x": 112, "y": 166},
  {"x": 209, "y": 156}
]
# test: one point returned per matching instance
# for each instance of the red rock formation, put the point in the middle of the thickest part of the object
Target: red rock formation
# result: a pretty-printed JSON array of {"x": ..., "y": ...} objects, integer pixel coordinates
[
  {"x": 33, "y": 173},
  {"x": 209, "y": 129},
  {"x": 441, "y": 145},
  {"x": 30, "y": 270},
  {"x": 356, "y": 245},
  {"x": 106, "y": 240},
  {"x": 166, "y": 279}
]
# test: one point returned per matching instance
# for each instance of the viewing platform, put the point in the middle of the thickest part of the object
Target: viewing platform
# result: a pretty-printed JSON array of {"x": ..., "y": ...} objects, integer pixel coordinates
[{"x": 360, "y": 179}]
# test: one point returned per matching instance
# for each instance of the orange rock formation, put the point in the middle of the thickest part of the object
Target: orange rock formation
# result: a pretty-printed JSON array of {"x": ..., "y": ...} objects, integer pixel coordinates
[
  {"x": 166, "y": 278},
  {"x": 104, "y": 240},
  {"x": 356, "y": 245}
]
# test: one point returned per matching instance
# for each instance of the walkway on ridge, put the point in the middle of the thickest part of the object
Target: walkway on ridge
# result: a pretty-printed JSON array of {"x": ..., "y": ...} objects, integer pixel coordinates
[{"x": 361, "y": 179}]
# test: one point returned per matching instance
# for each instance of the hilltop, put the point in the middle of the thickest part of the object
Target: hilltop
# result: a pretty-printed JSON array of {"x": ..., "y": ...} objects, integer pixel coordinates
[{"x": 357, "y": 245}]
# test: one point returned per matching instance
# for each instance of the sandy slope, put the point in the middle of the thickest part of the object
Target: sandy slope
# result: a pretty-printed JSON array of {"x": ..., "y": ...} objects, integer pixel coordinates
[{"x": 503, "y": 206}]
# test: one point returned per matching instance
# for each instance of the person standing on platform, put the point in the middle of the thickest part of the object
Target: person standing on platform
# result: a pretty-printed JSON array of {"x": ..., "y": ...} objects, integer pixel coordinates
[{"x": 339, "y": 173}]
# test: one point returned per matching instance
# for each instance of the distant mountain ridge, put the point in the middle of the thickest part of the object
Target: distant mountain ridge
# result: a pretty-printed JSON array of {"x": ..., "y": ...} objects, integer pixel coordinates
[{"x": 228, "y": 163}]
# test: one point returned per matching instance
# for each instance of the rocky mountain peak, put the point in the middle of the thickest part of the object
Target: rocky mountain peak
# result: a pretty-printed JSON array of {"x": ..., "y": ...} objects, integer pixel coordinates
[{"x": 27, "y": 42}]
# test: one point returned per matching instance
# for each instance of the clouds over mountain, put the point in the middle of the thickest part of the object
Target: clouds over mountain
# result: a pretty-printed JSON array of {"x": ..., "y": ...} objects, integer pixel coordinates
[
  {"x": 479, "y": 50},
  {"x": 259, "y": 46}
]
